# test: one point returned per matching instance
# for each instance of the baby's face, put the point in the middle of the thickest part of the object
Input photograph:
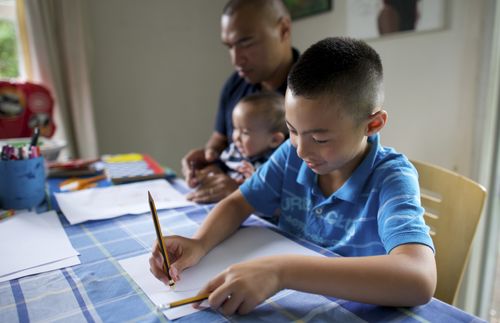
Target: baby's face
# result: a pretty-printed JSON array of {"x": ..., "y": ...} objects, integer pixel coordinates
[{"x": 250, "y": 133}]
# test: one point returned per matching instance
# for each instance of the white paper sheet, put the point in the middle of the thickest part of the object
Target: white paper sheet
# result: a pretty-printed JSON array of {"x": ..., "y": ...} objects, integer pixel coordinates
[
  {"x": 30, "y": 240},
  {"x": 109, "y": 202},
  {"x": 68, "y": 262},
  {"x": 245, "y": 244}
]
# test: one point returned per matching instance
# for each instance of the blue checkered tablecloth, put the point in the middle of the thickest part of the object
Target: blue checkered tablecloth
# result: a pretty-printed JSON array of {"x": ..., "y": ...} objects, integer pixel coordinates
[{"x": 99, "y": 290}]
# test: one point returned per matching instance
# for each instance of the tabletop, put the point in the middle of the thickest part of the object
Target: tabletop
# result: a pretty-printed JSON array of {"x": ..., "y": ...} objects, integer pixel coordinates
[{"x": 99, "y": 290}]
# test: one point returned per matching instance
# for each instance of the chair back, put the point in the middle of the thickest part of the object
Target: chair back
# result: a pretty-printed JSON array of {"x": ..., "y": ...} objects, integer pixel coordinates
[{"x": 453, "y": 206}]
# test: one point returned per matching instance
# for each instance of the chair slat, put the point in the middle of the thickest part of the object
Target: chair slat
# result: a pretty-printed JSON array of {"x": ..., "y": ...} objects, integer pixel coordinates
[{"x": 453, "y": 206}]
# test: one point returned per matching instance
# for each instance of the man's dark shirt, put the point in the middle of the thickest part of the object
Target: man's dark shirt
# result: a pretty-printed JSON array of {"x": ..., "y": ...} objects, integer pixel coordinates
[{"x": 233, "y": 91}]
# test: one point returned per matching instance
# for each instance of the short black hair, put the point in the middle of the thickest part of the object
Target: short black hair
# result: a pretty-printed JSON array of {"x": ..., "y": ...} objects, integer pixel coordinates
[
  {"x": 271, "y": 106},
  {"x": 344, "y": 69}
]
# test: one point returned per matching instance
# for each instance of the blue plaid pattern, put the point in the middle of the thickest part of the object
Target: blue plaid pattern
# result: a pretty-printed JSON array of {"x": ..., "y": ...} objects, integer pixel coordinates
[{"x": 98, "y": 290}]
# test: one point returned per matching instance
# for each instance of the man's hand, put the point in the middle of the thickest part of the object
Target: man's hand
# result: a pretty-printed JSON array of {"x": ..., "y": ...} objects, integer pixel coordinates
[
  {"x": 213, "y": 186},
  {"x": 211, "y": 155},
  {"x": 195, "y": 160}
]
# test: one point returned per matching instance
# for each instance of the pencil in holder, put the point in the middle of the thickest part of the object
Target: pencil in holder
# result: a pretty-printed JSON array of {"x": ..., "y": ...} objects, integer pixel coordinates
[{"x": 22, "y": 183}]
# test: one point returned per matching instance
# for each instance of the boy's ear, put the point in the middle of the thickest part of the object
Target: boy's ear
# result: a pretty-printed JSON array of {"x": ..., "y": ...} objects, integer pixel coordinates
[
  {"x": 276, "y": 139},
  {"x": 376, "y": 123}
]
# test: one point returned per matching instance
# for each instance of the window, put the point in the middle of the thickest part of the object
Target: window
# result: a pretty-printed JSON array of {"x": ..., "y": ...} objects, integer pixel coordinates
[{"x": 9, "y": 52}]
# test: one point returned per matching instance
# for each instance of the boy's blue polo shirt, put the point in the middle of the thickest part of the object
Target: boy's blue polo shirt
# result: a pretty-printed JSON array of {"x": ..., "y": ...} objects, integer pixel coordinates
[
  {"x": 233, "y": 91},
  {"x": 377, "y": 208}
]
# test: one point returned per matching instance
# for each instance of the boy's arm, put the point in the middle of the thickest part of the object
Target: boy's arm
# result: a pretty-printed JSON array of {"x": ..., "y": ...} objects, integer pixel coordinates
[
  {"x": 223, "y": 220},
  {"x": 405, "y": 277}
]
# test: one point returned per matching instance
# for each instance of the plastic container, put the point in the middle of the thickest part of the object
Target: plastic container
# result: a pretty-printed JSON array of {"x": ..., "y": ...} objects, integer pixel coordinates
[{"x": 22, "y": 183}]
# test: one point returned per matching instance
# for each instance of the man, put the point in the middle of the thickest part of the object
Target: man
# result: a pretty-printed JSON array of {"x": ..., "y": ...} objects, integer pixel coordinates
[{"x": 257, "y": 34}]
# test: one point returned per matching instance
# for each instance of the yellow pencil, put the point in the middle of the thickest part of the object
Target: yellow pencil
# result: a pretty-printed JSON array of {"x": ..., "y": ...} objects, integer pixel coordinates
[
  {"x": 159, "y": 236},
  {"x": 185, "y": 301}
]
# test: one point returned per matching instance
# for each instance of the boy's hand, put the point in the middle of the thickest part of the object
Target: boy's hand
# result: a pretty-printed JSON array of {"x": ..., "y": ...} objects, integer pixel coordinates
[
  {"x": 241, "y": 287},
  {"x": 182, "y": 252}
]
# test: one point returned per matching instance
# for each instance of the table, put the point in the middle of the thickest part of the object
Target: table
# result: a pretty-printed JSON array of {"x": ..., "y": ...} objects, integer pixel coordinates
[{"x": 98, "y": 290}]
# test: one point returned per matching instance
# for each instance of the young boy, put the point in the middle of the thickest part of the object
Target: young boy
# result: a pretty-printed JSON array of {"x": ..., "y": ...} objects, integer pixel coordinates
[
  {"x": 336, "y": 186},
  {"x": 259, "y": 128}
]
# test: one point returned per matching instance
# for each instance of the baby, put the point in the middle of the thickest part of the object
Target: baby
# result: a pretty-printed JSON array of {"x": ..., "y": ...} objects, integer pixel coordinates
[{"x": 259, "y": 128}]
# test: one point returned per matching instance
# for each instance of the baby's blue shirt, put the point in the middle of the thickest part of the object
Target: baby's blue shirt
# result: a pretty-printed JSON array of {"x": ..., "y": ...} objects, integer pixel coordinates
[{"x": 375, "y": 210}]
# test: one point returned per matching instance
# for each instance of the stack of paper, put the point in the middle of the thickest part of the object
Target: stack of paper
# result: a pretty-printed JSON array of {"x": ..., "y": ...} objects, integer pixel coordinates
[
  {"x": 245, "y": 244},
  {"x": 33, "y": 243},
  {"x": 109, "y": 202}
]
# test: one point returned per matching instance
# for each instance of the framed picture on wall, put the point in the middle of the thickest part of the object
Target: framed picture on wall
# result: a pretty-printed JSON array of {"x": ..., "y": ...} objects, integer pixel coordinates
[
  {"x": 368, "y": 19},
  {"x": 303, "y": 8}
]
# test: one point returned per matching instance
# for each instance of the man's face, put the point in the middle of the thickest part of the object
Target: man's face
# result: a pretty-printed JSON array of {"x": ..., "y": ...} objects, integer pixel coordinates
[
  {"x": 326, "y": 138},
  {"x": 254, "y": 44}
]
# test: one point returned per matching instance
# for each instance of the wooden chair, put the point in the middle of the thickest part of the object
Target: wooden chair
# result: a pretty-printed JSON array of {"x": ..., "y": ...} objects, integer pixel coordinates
[{"x": 453, "y": 206}]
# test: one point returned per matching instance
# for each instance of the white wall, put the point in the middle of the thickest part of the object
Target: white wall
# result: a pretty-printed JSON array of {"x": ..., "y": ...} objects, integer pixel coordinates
[
  {"x": 431, "y": 89},
  {"x": 158, "y": 67},
  {"x": 430, "y": 81}
]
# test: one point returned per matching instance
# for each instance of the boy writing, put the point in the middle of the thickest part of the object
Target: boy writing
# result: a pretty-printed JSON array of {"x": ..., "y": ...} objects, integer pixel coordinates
[{"x": 336, "y": 186}]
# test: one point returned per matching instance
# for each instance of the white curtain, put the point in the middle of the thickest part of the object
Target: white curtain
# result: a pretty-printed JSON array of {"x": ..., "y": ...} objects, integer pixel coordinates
[{"x": 56, "y": 57}]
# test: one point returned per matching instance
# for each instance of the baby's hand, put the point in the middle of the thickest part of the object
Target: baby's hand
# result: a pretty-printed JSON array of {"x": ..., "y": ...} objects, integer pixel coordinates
[{"x": 246, "y": 169}]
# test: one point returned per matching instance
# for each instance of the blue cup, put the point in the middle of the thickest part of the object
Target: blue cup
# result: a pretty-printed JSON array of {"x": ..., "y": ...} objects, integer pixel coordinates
[{"x": 22, "y": 183}]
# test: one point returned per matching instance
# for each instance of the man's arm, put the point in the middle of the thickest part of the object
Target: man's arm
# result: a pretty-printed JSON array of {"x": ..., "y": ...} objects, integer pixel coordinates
[{"x": 214, "y": 146}]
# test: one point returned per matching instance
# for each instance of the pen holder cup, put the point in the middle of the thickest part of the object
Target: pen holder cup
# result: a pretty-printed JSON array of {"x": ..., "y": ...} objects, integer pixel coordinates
[{"x": 22, "y": 183}]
